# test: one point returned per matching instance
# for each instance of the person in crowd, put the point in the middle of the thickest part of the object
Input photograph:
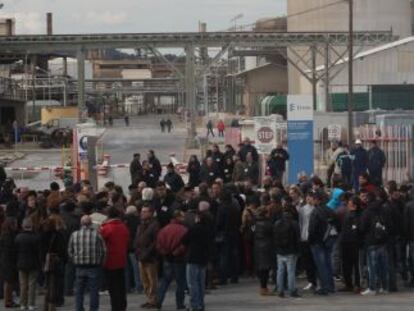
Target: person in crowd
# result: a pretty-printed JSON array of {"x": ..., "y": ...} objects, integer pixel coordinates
[
  {"x": 87, "y": 250},
  {"x": 333, "y": 153},
  {"x": 54, "y": 198},
  {"x": 8, "y": 267},
  {"x": 376, "y": 163},
  {"x": 28, "y": 264},
  {"x": 350, "y": 245},
  {"x": 228, "y": 221},
  {"x": 286, "y": 242},
  {"x": 194, "y": 170},
  {"x": 308, "y": 263},
  {"x": 238, "y": 169},
  {"x": 146, "y": 241},
  {"x": 246, "y": 148},
  {"x": 343, "y": 165},
  {"x": 98, "y": 216},
  {"x": 263, "y": 248},
  {"x": 247, "y": 232},
  {"x": 277, "y": 162},
  {"x": 335, "y": 200},
  {"x": 135, "y": 168},
  {"x": 375, "y": 227},
  {"x": 251, "y": 170},
  {"x": 54, "y": 257},
  {"x": 126, "y": 119},
  {"x": 173, "y": 179},
  {"x": 3, "y": 174},
  {"x": 154, "y": 163},
  {"x": 148, "y": 175},
  {"x": 116, "y": 237},
  {"x": 220, "y": 128},
  {"x": 228, "y": 169},
  {"x": 209, "y": 171},
  {"x": 229, "y": 152},
  {"x": 162, "y": 125},
  {"x": 170, "y": 247},
  {"x": 408, "y": 226},
  {"x": 210, "y": 127},
  {"x": 323, "y": 232},
  {"x": 169, "y": 125},
  {"x": 72, "y": 223},
  {"x": 132, "y": 221},
  {"x": 359, "y": 164},
  {"x": 163, "y": 202},
  {"x": 364, "y": 183},
  {"x": 218, "y": 159},
  {"x": 199, "y": 241}
]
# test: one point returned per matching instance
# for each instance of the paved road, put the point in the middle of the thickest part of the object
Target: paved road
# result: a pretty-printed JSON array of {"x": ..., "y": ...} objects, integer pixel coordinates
[
  {"x": 244, "y": 297},
  {"x": 120, "y": 142}
]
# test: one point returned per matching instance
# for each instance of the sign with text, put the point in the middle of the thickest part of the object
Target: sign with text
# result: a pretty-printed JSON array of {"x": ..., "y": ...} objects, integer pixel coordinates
[
  {"x": 300, "y": 136},
  {"x": 265, "y": 132},
  {"x": 334, "y": 132}
]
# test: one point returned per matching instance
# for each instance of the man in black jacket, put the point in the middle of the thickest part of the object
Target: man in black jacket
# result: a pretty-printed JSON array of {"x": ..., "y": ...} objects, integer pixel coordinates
[
  {"x": 154, "y": 164},
  {"x": 209, "y": 172},
  {"x": 286, "y": 241},
  {"x": 376, "y": 163},
  {"x": 246, "y": 148},
  {"x": 323, "y": 232},
  {"x": 162, "y": 204},
  {"x": 376, "y": 227},
  {"x": 173, "y": 179},
  {"x": 135, "y": 168},
  {"x": 277, "y": 162}
]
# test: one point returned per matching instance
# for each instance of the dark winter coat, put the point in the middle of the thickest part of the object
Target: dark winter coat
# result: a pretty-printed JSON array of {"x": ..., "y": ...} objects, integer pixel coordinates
[
  {"x": 373, "y": 213},
  {"x": 376, "y": 159},
  {"x": 156, "y": 166},
  {"x": 146, "y": 241},
  {"x": 263, "y": 244},
  {"x": 174, "y": 181},
  {"x": 321, "y": 219},
  {"x": 279, "y": 158},
  {"x": 193, "y": 170},
  {"x": 409, "y": 221},
  {"x": 163, "y": 207},
  {"x": 135, "y": 169},
  {"x": 251, "y": 171},
  {"x": 245, "y": 149},
  {"x": 198, "y": 240},
  {"x": 351, "y": 228},
  {"x": 8, "y": 258},
  {"x": 28, "y": 251},
  {"x": 360, "y": 163},
  {"x": 286, "y": 235},
  {"x": 132, "y": 223},
  {"x": 209, "y": 174}
]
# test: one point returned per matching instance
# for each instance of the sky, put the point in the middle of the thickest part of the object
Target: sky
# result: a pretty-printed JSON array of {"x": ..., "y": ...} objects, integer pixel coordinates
[{"x": 104, "y": 16}]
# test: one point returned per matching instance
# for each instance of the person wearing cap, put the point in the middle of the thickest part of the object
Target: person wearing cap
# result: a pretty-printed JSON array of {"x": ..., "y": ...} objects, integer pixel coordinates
[
  {"x": 173, "y": 179},
  {"x": 135, "y": 168},
  {"x": 87, "y": 250},
  {"x": 376, "y": 163},
  {"x": 28, "y": 264},
  {"x": 360, "y": 163}
]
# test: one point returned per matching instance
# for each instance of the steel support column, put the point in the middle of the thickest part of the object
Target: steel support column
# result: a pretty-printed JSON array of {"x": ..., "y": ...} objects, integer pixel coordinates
[
  {"x": 314, "y": 79},
  {"x": 81, "y": 84},
  {"x": 190, "y": 89},
  {"x": 327, "y": 81}
]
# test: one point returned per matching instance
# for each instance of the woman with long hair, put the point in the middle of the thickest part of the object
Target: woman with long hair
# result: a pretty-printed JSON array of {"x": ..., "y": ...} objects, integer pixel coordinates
[{"x": 193, "y": 169}]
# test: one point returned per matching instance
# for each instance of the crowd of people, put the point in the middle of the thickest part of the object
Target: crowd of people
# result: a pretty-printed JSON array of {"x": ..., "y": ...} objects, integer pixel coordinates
[{"x": 350, "y": 234}]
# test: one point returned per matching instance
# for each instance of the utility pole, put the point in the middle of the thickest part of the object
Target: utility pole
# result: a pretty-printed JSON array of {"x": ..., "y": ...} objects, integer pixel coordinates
[{"x": 351, "y": 73}]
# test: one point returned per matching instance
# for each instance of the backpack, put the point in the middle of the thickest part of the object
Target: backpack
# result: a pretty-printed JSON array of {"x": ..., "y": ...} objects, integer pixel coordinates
[
  {"x": 282, "y": 231},
  {"x": 380, "y": 230}
]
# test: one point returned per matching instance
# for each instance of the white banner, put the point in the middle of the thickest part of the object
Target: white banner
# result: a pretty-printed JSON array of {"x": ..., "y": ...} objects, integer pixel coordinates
[{"x": 299, "y": 108}]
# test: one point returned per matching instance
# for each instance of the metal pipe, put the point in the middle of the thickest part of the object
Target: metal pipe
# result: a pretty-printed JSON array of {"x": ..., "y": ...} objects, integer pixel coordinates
[{"x": 351, "y": 73}]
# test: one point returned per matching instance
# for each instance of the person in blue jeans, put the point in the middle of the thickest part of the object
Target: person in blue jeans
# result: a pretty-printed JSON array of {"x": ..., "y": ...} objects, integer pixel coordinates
[
  {"x": 286, "y": 240},
  {"x": 87, "y": 250},
  {"x": 323, "y": 232},
  {"x": 199, "y": 240}
]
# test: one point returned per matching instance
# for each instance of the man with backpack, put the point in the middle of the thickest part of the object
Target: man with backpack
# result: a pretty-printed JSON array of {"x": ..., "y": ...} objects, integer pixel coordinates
[
  {"x": 376, "y": 225},
  {"x": 286, "y": 241}
]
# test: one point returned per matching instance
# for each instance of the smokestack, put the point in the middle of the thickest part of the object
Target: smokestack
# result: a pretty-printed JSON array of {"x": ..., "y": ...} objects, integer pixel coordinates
[
  {"x": 9, "y": 27},
  {"x": 202, "y": 27},
  {"x": 49, "y": 24}
]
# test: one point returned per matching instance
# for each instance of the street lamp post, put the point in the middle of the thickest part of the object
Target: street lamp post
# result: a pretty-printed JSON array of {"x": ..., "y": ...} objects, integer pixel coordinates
[{"x": 351, "y": 73}]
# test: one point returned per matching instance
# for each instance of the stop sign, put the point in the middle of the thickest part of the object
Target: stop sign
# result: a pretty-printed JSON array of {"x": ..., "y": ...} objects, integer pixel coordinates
[{"x": 265, "y": 135}]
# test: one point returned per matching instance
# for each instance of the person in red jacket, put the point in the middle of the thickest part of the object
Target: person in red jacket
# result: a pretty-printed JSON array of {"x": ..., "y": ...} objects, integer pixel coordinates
[
  {"x": 116, "y": 236},
  {"x": 173, "y": 251},
  {"x": 220, "y": 128}
]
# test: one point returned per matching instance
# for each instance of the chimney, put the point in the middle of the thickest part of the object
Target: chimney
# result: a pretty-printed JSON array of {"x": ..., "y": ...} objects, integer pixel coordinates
[
  {"x": 9, "y": 27},
  {"x": 49, "y": 24},
  {"x": 202, "y": 27}
]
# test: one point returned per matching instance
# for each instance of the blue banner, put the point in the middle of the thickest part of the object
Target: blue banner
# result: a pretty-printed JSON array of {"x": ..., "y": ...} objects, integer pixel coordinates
[{"x": 300, "y": 146}]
